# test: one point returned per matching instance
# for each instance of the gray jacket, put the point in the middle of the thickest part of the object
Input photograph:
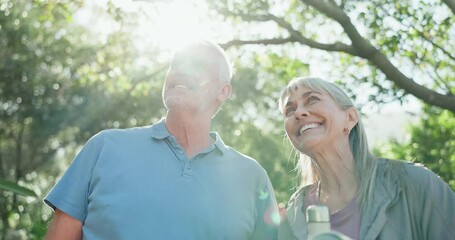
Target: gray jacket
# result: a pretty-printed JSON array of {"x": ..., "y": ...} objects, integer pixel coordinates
[{"x": 410, "y": 202}]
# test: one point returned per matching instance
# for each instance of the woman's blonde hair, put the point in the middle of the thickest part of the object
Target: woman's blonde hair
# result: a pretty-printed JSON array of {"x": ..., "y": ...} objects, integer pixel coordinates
[{"x": 364, "y": 161}]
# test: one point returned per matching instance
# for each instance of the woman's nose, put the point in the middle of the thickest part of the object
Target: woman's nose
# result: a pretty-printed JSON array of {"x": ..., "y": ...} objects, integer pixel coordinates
[{"x": 301, "y": 111}]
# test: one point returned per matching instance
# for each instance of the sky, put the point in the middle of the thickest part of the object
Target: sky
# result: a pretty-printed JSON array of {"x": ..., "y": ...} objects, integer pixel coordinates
[{"x": 385, "y": 125}]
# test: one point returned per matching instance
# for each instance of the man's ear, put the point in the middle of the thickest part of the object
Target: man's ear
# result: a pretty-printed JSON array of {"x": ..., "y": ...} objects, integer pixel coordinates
[
  {"x": 351, "y": 118},
  {"x": 225, "y": 92}
]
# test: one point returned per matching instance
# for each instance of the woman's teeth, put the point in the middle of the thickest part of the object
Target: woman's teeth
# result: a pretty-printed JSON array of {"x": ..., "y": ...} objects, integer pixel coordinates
[{"x": 308, "y": 126}]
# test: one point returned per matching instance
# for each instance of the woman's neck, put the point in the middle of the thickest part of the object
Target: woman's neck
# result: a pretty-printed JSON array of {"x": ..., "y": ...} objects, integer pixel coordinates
[{"x": 338, "y": 182}]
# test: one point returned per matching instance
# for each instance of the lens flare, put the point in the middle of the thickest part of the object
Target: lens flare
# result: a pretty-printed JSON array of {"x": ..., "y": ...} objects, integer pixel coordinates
[
  {"x": 263, "y": 195},
  {"x": 272, "y": 216}
]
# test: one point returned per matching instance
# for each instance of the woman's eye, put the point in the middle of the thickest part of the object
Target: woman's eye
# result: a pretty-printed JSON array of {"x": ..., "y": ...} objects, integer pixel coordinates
[
  {"x": 289, "y": 111},
  {"x": 312, "y": 99}
]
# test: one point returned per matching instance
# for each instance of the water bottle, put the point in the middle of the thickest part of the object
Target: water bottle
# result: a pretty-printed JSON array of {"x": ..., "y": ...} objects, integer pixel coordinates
[{"x": 318, "y": 219}]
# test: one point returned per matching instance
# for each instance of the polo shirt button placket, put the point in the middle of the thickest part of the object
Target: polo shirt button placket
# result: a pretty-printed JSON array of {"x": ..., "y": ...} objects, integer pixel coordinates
[
  {"x": 186, "y": 166},
  {"x": 186, "y": 170}
]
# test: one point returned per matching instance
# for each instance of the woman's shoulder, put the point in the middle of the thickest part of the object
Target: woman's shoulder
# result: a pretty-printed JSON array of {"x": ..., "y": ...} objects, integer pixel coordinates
[
  {"x": 422, "y": 192},
  {"x": 409, "y": 174},
  {"x": 412, "y": 169}
]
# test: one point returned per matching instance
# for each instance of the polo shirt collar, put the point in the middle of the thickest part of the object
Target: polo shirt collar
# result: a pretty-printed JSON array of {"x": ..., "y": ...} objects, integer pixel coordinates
[
  {"x": 219, "y": 144},
  {"x": 159, "y": 131}
]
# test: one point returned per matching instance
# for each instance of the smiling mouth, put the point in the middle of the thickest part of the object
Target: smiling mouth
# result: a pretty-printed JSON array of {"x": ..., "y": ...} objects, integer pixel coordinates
[{"x": 308, "y": 126}]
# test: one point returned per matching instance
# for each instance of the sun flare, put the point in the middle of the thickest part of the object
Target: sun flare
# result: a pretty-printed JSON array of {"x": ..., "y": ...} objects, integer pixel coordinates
[
  {"x": 180, "y": 22},
  {"x": 169, "y": 24}
]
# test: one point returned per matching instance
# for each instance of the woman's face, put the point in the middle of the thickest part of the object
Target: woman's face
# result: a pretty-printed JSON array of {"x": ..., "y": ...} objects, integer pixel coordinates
[{"x": 313, "y": 120}]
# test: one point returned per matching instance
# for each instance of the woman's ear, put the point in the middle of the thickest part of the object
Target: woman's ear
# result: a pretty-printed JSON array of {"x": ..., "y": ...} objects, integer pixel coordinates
[{"x": 352, "y": 118}]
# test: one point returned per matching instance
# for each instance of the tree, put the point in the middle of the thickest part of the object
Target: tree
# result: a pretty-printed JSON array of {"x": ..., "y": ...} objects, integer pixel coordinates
[
  {"x": 60, "y": 84},
  {"x": 430, "y": 142},
  {"x": 12, "y": 187},
  {"x": 398, "y": 47},
  {"x": 31, "y": 92}
]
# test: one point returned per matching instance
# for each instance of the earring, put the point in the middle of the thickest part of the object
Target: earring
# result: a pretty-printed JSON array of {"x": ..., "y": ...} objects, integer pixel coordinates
[{"x": 346, "y": 131}]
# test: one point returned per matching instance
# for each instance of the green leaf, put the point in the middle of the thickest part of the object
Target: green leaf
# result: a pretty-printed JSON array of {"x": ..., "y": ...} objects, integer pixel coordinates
[{"x": 12, "y": 187}]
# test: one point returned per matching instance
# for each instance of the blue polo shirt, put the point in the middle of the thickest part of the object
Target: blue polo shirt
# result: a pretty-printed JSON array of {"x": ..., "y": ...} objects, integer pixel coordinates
[{"x": 138, "y": 184}]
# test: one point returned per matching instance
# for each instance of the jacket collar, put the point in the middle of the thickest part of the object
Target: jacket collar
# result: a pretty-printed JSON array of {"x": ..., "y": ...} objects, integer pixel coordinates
[
  {"x": 372, "y": 221},
  {"x": 296, "y": 214},
  {"x": 385, "y": 194}
]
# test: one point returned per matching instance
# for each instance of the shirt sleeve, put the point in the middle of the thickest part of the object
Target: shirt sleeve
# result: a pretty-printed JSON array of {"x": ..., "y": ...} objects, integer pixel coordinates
[
  {"x": 70, "y": 194},
  {"x": 268, "y": 217},
  {"x": 437, "y": 204},
  {"x": 285, "y": 231}
]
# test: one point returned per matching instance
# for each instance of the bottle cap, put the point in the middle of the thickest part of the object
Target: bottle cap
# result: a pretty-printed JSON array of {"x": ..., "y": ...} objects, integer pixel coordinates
[{"x": 317, "y": 213}]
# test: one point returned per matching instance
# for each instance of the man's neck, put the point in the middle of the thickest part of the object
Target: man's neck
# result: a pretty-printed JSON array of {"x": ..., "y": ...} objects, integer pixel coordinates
[{"x": 190, "y": 131}]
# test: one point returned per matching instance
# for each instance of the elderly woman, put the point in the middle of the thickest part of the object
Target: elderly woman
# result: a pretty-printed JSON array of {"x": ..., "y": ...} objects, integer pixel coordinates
[{"x": 368, "y": 197}]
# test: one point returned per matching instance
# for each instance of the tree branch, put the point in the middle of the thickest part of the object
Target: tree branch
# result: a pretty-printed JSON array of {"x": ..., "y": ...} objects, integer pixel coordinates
[
  {"x": 440, "y": 80},
  {"x": 447, "y": 53},
  {"x": 296, "y": 36},
  {"x": 450, "y": 4},
  {"x": 273, "y": 41},
  {"x": 334, "y": 47},
  {"x": 421, "y": 34},
  {"x": 362, "y": 48},
  {"x": 365, "y": 50}
]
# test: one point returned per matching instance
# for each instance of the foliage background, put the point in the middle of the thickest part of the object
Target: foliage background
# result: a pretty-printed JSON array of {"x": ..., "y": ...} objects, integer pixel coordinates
[{"x": 61, "y": 82}]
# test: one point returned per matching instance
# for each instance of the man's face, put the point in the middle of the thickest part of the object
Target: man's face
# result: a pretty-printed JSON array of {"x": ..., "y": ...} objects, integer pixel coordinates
[{"x": 191, "y": 81}]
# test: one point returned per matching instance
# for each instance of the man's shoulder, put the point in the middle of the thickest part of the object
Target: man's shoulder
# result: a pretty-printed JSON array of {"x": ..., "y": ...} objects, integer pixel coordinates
[
  {"x": 242, "y": 159},
  {"x": 120, "y": 136},
  {"x": 236, "y": 154},
  {"x": 123, "y": 132}
]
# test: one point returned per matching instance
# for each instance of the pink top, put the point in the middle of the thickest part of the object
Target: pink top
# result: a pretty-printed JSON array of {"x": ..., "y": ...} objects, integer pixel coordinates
[{"x": 345, "y": 220}]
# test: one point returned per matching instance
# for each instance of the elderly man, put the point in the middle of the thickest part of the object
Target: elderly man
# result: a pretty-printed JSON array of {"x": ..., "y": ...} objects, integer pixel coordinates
[{"x": 171, "y": 180}]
